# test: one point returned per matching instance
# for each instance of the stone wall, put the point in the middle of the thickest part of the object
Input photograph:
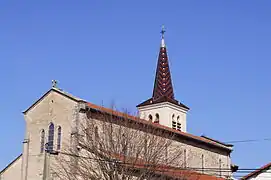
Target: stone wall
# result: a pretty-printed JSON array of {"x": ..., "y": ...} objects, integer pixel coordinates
[
  {"x": 13, "y": 171},
  {"x": 64, "y": 112},
  {"x": 53, "y": 108}
]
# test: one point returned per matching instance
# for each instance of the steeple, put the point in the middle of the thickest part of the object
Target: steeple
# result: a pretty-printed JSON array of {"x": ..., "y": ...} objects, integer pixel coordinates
[
  {"x": 163, "y": 88},
  {"x": 162, "y": 107},
  {"x": 163, "y": 84}
]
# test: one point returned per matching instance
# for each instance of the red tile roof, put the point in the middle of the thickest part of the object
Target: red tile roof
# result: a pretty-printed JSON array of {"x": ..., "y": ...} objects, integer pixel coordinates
[
  {"x": 258, "y": 171},
  {"x": 187, "y": 135}
]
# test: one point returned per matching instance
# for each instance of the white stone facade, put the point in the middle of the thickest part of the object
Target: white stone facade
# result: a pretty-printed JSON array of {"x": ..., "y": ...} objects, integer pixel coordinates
[{"x": 169, "y": 114}]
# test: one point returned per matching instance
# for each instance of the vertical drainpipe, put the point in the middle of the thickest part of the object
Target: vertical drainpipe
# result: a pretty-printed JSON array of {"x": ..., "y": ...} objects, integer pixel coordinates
[{"x": 25, "y": 156}]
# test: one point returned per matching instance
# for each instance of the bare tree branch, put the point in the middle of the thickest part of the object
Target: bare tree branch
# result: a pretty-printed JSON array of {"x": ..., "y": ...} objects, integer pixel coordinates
[{"x": 114, "y": 148}]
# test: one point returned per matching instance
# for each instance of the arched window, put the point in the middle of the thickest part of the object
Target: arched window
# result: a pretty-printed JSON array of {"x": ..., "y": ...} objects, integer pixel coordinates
[
  {"x": 42, "y": 135},
  {"x": 51, "y": 137},
  {"x": 58, "y": 138},
  {"x": 178, "y": 118},
  {"x": 150, "y": 117},
  {"x": 178, "y": 123},
  {"x": 156, "y": 118}
]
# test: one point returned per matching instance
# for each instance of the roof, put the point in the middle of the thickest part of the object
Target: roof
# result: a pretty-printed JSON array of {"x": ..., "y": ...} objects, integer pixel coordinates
[
  {"x": 18, "y": 157},
  {"x": 194, "y": 138},
  {"x": 161, "y": 100},
  {"x": 53, "y": 89},
  {"x": 258, "y": 171},
  {"x": 229, "y": 145}
]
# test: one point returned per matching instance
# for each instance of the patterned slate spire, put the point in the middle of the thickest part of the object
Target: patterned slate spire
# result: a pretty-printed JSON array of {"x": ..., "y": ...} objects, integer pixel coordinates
[
  {"x": 163, "y": 89},
  {"x": 163, "y": 84}
]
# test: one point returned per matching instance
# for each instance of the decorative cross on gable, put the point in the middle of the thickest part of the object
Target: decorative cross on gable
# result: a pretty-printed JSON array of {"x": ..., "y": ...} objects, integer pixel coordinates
[{"x": 54, "y": 83}]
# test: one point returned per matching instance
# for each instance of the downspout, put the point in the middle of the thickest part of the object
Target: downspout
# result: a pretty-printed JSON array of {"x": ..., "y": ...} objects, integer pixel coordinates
[{"x": 25, "y": 156}]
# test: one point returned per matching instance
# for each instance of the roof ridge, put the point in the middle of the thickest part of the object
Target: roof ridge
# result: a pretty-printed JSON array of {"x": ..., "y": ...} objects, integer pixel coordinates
[
  {"x": 188, "y": 135},
  {"x": 256, "y": 172},
  {"x": 13, "y": 161},
  {"x": 60, "y": 91}
]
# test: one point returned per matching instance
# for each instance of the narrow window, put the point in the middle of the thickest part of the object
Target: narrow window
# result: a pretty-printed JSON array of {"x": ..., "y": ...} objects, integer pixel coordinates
[
  {"x": 184, "y": 158},
  {"x": 124, "y": 145},
  {"x": 96, "y": 138},
  {"x": 178, "y": 124},
  {"x": 42, "y": 135},
  {"x": 220, "y": 164},
  {"x": 58, "y": 138},
  {"x": 96, "y": 133},
  {"x": 150, "y": 117},
  {"x": 156, "y": 118},
  {"x": 51, "y": 137},
  {"x": 145, "y": 146},
  {"x": 202, "y": 163},
  {"x": 166, "y": 154}
]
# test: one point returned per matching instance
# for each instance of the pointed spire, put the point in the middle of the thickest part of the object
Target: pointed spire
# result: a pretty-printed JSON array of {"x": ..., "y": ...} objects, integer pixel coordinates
[
  {"x": 163, "y": 85},
  {"x": 163, "y": 88}
]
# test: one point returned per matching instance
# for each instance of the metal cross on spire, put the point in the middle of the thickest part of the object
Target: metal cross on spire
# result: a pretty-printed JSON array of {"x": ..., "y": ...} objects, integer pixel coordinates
[
  {"x": 163, "y": 36},
  {"x": 163, "y": 31}
]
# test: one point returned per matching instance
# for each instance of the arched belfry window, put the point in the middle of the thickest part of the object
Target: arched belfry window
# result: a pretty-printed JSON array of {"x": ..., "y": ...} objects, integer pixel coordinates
[
  {"x": 42, "y": 136},
  {"x": 156, "y": 118},
  {"x": 58, "y": 137},
  {"x": 150, "y": 117},
  {"x": 51, "y": 137},
  {"x": 178, "y": 123}
]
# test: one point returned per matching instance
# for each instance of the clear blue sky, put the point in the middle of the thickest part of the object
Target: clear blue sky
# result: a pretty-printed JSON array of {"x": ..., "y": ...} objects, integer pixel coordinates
[{"x": 106, "y": 51}]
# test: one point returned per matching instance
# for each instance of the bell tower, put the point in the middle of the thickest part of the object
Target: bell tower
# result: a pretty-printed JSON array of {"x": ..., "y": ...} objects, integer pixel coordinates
[{"x": 162, "y": 107}]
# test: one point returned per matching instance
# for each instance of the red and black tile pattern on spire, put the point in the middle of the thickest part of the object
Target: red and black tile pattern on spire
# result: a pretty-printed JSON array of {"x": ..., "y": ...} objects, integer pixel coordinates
[
  {"x": 163, "y": 88},
  {"x": 163, "y": 84}
]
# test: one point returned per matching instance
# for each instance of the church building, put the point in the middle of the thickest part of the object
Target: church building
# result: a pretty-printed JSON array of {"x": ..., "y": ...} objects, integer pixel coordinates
[{"x": 54, "y": 117}]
